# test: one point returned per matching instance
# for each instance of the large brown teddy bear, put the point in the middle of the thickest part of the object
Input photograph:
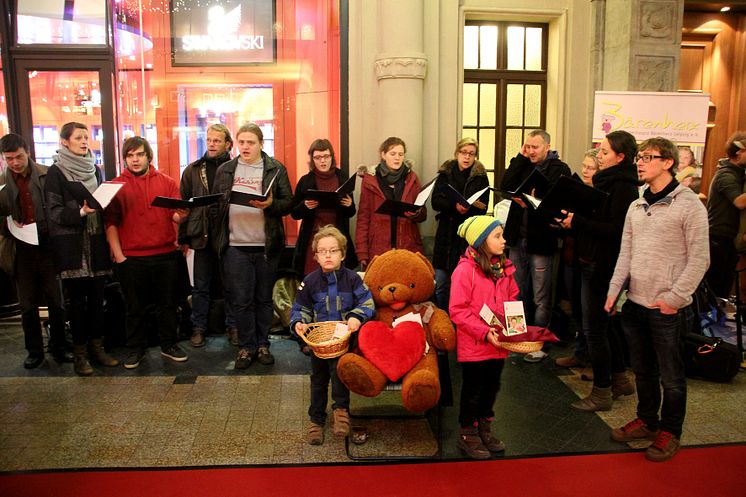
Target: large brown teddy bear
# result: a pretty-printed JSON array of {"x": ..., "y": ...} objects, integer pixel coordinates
[{"x": 400, "y": 281}]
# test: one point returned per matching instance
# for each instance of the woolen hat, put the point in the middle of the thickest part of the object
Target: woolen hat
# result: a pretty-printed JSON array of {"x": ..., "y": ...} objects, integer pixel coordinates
[{"x": 476, "y": 229}]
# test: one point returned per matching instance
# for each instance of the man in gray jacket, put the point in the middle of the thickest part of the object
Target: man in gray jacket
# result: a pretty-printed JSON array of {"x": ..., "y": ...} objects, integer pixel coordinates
[
  {"x": 33, "y": 270},
  {"x": 663, "y": 258}
]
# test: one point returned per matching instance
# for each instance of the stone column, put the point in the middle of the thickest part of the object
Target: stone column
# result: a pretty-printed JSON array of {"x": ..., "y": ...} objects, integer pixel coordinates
[
  {"x": 642, "y": 44},
  {"x": 400, "y": 69}
]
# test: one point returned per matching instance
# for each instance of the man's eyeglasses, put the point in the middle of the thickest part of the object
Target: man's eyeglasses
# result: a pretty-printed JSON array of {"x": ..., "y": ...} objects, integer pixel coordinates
[
  {"x": 322, "y": 157},
  {"x": 328, "y": 252},
  {"x": 647, "y": 158},
  {"x": 467, "y": 154}
]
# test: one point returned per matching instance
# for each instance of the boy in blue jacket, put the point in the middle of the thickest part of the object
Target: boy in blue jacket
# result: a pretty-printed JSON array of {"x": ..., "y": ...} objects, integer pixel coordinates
[{"x": 330, "y": 293}]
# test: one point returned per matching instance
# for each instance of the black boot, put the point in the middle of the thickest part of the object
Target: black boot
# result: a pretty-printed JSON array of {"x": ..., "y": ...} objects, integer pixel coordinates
[
  {"x": 471, "y": 444},
  {"x": 489, "y": 441}
]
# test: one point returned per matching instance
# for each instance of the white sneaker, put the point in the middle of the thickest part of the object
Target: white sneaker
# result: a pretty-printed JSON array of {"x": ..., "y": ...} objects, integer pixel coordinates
[{"x": 535, "y": 356}]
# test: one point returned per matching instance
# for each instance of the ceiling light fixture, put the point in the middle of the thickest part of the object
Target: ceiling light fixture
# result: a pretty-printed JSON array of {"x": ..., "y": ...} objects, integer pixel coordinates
[{"x": 725, "y": 9}]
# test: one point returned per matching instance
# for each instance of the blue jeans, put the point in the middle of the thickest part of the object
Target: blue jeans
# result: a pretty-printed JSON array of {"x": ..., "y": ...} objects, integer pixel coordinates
[
  {"x": 539, "y": 269},
  {"x": 442, "y": 288},
  {"x": 604, "y": 343},
  {"x": 249, "y": 278},
  {"x": 655, "y": 342},
  {"x": 205, "y": 264},
  {"x": 323, "y": 372}
]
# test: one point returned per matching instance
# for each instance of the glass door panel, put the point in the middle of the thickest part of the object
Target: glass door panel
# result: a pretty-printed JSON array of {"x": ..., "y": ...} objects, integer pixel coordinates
[{"x": 58, "y": 97}]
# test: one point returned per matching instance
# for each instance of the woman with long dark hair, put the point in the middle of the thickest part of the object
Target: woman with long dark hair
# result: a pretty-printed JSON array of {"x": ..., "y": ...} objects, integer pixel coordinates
[
  {"x": 597, "y": 243},
  {"x": 78, "y": 239}
]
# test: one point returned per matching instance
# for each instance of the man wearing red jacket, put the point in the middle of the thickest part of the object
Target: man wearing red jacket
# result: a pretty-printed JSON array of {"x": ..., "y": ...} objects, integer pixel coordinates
[{"x": 143, "y": 244}]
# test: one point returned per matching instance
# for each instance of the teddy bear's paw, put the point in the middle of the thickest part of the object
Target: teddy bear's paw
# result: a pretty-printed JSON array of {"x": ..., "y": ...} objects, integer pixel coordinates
[
  {"x": 360, "y": 376},
  {"x": 421, "y": 391}
]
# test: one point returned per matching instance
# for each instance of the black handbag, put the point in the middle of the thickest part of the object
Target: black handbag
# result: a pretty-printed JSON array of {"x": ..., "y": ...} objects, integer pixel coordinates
[{"x": 710, "y": 358}]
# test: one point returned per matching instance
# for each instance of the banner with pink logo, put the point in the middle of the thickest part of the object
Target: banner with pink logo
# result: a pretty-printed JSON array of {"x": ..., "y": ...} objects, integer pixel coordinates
[{"x": 680, "y": 117}]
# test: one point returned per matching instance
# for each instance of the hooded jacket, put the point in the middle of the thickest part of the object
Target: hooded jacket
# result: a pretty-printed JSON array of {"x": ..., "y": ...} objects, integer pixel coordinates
[
  {"x": 665, "y": 250},
  {"x": 144, "y": 230},
  {"x": 597, "y": 237},
  {"x": 470, "y": 290},
  {"x": 541, "y": 238},
  {"x": 373, "y": 233},
  {"x": 282, "y": 201},
  {"x": 195, "y": 231},
  {"x": 448, "y": 245}
]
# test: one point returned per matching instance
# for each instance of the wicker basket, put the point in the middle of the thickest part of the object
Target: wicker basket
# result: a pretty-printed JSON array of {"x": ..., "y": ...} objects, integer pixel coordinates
[
  {"x": 318, "y": 336},
  {"x": 522, "y": 347}
]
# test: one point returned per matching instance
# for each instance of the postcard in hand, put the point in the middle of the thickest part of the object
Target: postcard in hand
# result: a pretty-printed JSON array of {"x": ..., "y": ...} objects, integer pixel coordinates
[{"x": 515, "y": 318}]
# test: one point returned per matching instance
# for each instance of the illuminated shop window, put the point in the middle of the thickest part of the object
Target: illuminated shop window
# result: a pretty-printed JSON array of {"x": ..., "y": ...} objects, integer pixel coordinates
[
  {"x": 4, "y": 128},
  {"x": 82, "y": 22},
  {"x": 504, "y": 91}
]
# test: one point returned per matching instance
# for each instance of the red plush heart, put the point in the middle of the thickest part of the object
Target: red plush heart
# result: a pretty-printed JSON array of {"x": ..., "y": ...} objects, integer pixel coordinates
[{"x": 393, "y": 351}]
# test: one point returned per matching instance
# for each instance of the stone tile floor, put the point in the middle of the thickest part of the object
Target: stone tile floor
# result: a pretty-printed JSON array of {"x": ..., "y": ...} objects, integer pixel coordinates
[{"x": 204, "y": 413}]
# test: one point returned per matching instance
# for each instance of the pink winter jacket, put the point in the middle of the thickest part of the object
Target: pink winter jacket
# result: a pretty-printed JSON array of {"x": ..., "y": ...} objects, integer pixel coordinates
[{"x": 470, "y": 290}]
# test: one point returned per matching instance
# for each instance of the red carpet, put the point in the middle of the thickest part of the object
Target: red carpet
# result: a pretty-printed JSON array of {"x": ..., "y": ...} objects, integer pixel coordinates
[{"x": 711, "y": 472}]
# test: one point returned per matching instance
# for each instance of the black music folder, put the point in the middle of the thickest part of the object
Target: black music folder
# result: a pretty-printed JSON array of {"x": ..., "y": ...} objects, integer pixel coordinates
[
  {"x": 178, "y": 203},
  {"x": 536, "y": 181},
  {"x": 331, "y": 199},
  {"x": 399, "y": 208},
  {"x": 467, "y": 203},
  {"x": 243, "y": 198},
  {"x": 570, "y": 195}
]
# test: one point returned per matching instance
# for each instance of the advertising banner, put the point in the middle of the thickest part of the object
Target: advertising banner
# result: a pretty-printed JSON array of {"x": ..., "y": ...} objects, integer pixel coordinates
[
  {"x": 680, "y": 117},
  {"x": 222, "y": 33}
]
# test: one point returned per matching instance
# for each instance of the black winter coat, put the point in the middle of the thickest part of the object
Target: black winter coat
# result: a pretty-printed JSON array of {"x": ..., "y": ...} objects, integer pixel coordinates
[
  {"x": 448, "y": 245},
  {"x": 307, "y": 217},
  {"x": 541, "y": 238}
]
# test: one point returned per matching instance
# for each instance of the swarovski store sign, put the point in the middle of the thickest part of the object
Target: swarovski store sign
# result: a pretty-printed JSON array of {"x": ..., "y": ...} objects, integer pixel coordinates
[{"x": 227, "y": 32}]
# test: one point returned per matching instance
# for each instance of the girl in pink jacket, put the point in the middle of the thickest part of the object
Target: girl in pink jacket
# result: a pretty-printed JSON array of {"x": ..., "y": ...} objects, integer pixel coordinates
[{"x": 483, "y": 277}]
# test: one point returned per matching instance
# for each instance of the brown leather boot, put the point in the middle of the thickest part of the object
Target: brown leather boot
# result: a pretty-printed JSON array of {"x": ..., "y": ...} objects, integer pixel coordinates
[
  {"x": 598, "y": 400},
  {"x": 99, "y": 355},
  {"x": 80, "y": 361},
  {"x": 620, "y": 385},
  {"x": 471, "y": 444},
  {"x": 485, "y": 433}
]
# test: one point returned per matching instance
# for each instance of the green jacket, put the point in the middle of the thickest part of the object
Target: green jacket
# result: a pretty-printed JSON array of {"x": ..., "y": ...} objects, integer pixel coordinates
[{"x": 10, "y": 206}]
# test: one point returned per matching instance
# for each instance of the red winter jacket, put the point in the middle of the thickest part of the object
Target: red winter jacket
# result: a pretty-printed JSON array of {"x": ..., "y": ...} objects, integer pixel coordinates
[
  {"x": 373, "y": 231},
  {"x": 143, "y": 229},
  {"x": 470, "y": 290}
]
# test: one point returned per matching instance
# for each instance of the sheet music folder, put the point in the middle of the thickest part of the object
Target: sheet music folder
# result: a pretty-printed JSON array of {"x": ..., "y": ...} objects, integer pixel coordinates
[
  {"x": 178, "y": 203},
  {"x": 331, "y": 199},
  {"x": 243, "y": 198},
  {"x": 399, "y": 208},
  {"x": 455, "y": 196},
  {"x": 535, "y": 181},
  {"x": 105, "y": 192},
  {"x": 570, "y": 195}
]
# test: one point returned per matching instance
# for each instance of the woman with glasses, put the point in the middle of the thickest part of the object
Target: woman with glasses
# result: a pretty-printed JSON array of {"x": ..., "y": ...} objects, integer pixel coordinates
[
  {"x": 78, "y": 239},
  {"x": 597, "y": 243},
  {"x": 323, "y": 175},
  {"x": 393, "y": 179},
  {"x": 467, "y": 176}
]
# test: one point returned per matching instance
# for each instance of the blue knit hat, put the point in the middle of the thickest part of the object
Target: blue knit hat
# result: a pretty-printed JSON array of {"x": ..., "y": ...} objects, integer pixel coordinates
[{"x": 476, "y": 229}]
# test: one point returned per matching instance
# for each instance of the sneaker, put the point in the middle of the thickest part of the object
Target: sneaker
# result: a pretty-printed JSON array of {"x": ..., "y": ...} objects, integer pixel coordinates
[
  {"x": 243, "y": 361},
  {"x": 666, "y": 446},
  {"x": 233, "y": 336},
  {"x": 174, "y": 353},
  {"x": 634, "y": 430},
  {"x": 537, "y": 356},
  {"x": 265, "y": 357},
  {"x": 134, "y": 358},
  {"x": 198, "y": 337}
]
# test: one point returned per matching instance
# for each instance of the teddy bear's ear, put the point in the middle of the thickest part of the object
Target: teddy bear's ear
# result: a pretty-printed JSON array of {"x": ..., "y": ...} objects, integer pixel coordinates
[
  {"x": 427, "y": 263},
  {"x": 370, "y": 263}
]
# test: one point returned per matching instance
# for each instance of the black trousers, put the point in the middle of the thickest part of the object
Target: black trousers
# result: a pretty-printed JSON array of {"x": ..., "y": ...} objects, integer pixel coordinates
[
  {"x": 150, "y": 281},
  {"x": 86, "y": 307},
  {"x": 479, "y": 386},
  {"x": 37, "y": 285}
]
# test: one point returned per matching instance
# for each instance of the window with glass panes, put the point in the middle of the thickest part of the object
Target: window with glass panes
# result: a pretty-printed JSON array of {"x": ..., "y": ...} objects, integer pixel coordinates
[{"x": 505, "y": 88}]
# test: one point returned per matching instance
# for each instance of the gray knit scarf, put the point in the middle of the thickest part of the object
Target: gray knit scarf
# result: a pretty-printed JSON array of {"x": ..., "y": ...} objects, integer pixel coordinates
[{"x": 81, "y": 168}]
